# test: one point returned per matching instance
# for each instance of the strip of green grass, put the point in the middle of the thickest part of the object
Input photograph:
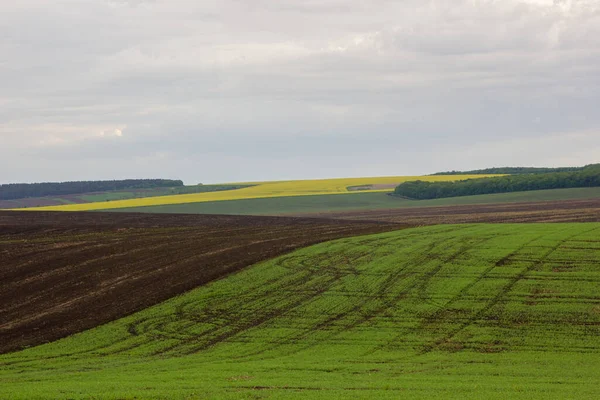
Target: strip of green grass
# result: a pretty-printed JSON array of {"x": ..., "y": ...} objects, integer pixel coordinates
[
  {"x": 455, "y": 311},
  {"x": 355, "y": 201}
]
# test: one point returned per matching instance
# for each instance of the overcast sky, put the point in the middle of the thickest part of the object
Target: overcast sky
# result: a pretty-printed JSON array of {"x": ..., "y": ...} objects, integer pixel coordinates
[{"x": 236, "y": 90}]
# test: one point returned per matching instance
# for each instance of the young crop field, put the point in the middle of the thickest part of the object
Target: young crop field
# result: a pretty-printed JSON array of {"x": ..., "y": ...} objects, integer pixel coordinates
[
  {"x": 260, "y": 190},
  {"x": 506, "y": 311}
]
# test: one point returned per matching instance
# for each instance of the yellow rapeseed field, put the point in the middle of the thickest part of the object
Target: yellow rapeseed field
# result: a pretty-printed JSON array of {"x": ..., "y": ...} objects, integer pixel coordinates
[{"x": 262, "y": 190}]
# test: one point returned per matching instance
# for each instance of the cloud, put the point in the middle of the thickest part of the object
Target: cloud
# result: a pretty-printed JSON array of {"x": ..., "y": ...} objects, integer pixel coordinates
[
  {"x": 339, "y": 83},
  {"x": 117, "y": 132}
]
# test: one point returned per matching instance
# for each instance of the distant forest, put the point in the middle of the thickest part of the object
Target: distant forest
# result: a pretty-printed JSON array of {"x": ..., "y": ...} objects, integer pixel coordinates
[
  {"x": 14, "y": 191},
  {"x": 511, "y": 171},
  {"x": 588, "y": 176}
]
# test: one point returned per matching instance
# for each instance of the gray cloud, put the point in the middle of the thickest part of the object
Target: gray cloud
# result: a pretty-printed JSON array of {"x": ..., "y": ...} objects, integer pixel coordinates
[{"x": 233, "y": 90}]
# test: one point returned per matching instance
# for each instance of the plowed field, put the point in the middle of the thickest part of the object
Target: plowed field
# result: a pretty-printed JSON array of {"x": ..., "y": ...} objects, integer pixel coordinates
[
  {"x": 62, "y": 273},
  {"x": 545, "y": 211}
]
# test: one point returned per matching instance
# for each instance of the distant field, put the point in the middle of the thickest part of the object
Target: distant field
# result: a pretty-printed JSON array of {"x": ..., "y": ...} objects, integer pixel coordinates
[
  {"x": 542, "y": 211},
  {"x": 31, "y": 202},
  {"x": 454, "y": 312},
  {"x": 263, "y": 190},
  {"x": 357, "y": 201}
]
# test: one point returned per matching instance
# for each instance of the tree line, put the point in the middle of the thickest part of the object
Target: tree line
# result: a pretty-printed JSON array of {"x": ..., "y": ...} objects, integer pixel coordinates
[
  {"x": 588, "y": 176},
  {"x": 13, "y": 191},
  {"x": 511, "y": 171}
]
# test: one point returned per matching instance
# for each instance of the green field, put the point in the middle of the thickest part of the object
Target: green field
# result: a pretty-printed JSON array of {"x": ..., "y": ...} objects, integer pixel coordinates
[
  {"x": 456, "y": 311},
  {"x": 356, "y": 201}
]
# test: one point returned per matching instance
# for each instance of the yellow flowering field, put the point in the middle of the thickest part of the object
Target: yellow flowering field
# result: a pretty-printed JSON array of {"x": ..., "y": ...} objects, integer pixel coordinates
[{"x": 263, "y": 190}]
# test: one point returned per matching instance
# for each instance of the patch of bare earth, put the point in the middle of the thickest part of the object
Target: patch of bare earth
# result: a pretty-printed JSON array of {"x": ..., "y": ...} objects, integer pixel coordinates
[
  {"x": 547, "y": 211},
  {"x": 62, "y": 273}
]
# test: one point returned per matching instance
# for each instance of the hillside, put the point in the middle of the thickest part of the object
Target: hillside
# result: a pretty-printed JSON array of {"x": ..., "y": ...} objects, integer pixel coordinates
[
  {"x": 511, "y": 171},
  {"x": 457, "y": 311},
  {"x": 63, "y": 273},
  {"x": 358, "y": 203},
  {"x": 259, "y": 190},
  {"x": 588, "y": 176},
  {"x": 112, "y": 195},
  {"x": 12, "y": 191}
]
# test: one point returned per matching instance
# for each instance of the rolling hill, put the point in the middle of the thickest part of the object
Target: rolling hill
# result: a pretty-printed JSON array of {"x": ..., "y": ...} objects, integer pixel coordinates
[
  {"x": 454, "y": 311},
  {"x": 329, "y": 205},
  {"x": 61, "y": 273},
  {"x": 259, "y": 190}
]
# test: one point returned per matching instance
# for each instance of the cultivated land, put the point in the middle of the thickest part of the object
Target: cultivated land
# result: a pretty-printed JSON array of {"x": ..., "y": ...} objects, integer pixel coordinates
[
  {"x": 358, "y": 202},
  {"x": 62, "y": 273},
  {"x": 262, "y": 190},
  {"x": 112, "y": 195},
  {"x": 548, "y": 211},
  {"x": 451, "y": 311}
]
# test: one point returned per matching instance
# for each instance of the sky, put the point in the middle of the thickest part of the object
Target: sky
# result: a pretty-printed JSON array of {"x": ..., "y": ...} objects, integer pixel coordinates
[{"x": 236, "y": 90}]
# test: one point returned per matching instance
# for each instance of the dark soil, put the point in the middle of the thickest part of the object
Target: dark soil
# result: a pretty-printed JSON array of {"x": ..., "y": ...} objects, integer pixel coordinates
[
  {"x": 546, "y": 211},
  {"x": 62, "y": 273}
]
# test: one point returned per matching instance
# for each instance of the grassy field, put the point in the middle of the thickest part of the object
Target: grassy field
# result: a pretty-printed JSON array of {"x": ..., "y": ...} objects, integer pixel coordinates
[
  {"x": 456, "y": 311},
  {"x": 261, "y": 190},
  {"x": 357, "y": 201}
]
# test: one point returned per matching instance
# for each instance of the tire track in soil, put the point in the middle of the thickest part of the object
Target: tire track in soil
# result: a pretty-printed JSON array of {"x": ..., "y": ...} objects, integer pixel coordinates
[
  {"x": 496, "y": 299},
  {"x": 434, "y": 316},
  {"x": 391, "y": 281},
  {"x": 332, "y": 319},
  {"x": 160, "y": 328}
]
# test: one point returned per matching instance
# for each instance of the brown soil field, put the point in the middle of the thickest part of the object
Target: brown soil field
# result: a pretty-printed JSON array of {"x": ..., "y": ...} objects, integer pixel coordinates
[
  {"x": 62, "y": 273},
  {"x": 546, "y": 211}
]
